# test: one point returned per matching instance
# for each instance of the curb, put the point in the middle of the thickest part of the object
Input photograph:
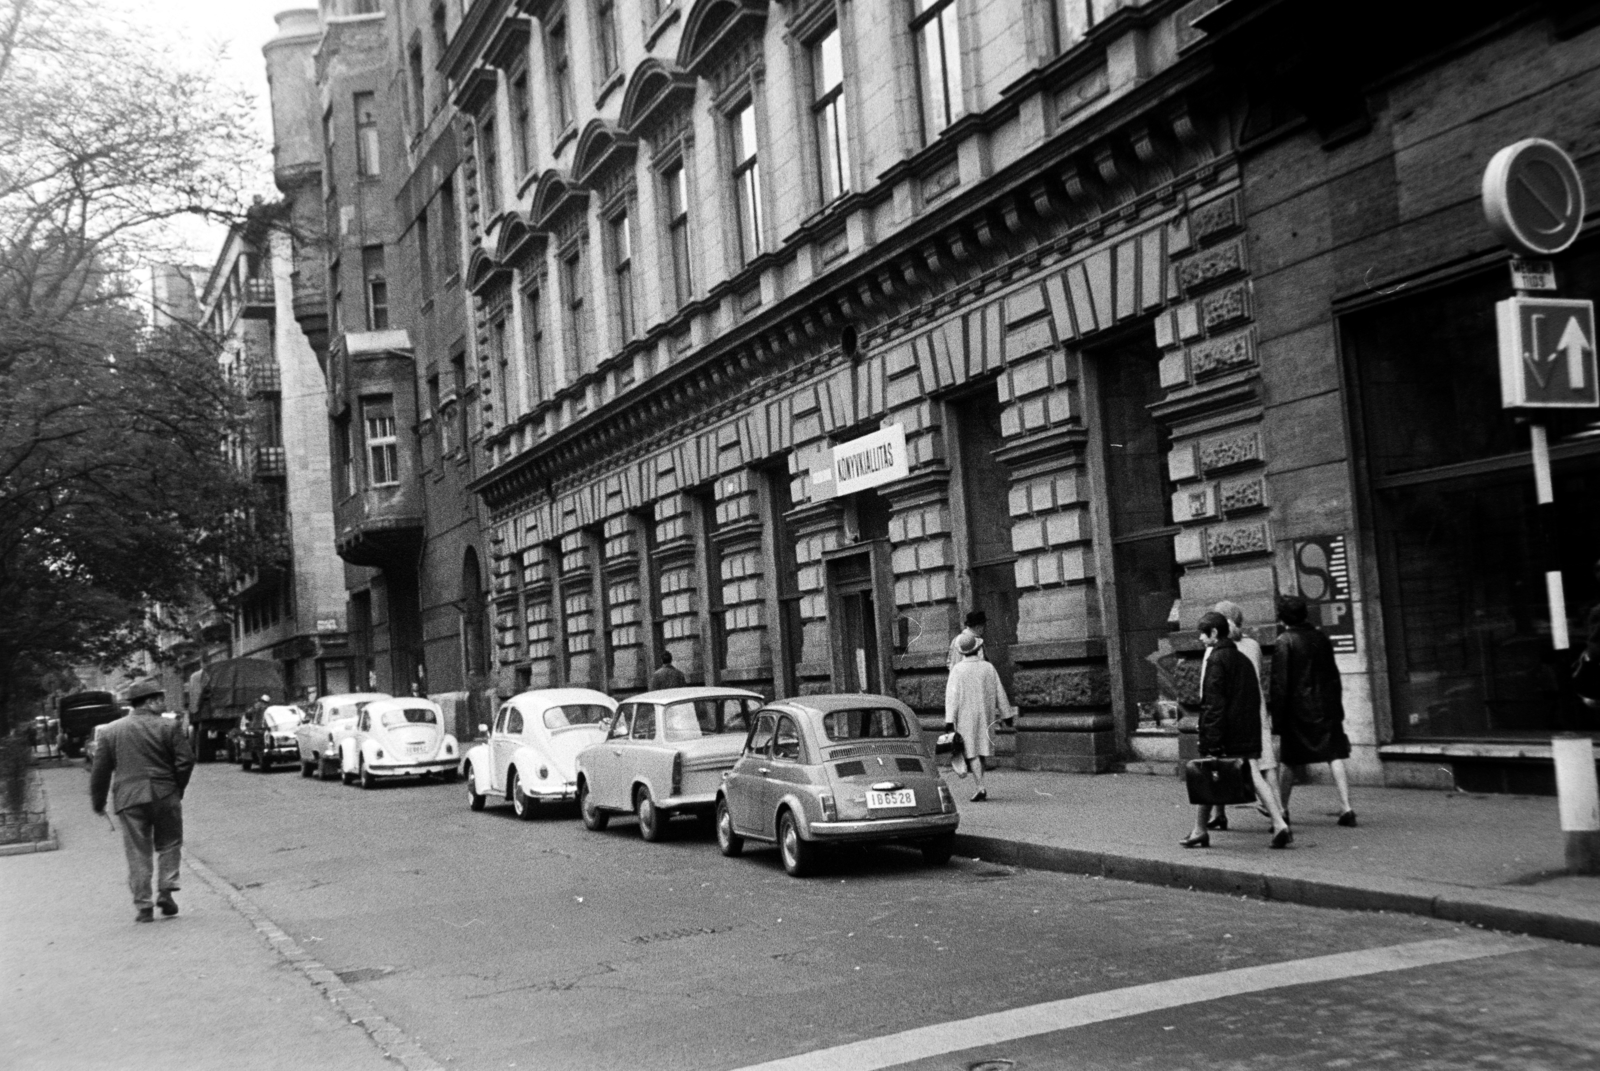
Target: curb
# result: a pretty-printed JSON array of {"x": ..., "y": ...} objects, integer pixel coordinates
[
  {"x": 49, "y": 844},
  {"x": 1490, "y": 909},
  {"x": 391, "y": 1041}
]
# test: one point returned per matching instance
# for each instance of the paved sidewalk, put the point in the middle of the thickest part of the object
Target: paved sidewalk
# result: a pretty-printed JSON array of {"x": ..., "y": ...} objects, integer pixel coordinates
[
  {"x": 82, "y": 986},
  {"x": 1493, "y": 861}
]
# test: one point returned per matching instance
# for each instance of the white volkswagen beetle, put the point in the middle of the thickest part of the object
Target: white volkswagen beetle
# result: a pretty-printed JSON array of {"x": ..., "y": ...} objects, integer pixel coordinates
[
  {"x": 330, "y": 719},
  {"x": 402, "y": 737},
  {"x": 531, "y": 754}
]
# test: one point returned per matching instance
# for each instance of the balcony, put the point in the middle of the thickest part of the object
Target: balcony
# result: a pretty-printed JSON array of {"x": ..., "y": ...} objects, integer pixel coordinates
[
  {"x": 270, "y": 463},
  {"x": 379, "y": 527},
  {"x": 311, "y": 313},
  {"x": 262, "y": 378},
  {"x": 260, "y": 300}
]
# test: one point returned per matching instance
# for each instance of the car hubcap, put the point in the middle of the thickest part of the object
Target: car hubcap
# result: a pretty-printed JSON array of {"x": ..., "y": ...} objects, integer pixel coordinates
[
  {"x": 647, "y": 813},
  {"x": 790, "y": 842},
  {"x": 724, "y": 826}
]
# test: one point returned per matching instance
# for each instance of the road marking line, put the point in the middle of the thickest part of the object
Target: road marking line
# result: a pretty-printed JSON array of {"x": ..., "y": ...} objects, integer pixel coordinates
[{"x": 894, "y": 1050}]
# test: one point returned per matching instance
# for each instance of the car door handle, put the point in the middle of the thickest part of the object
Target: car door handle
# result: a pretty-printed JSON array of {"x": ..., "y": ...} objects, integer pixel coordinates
[
  {"x": 764, "y": 771},
  {"x": 617, "y": 753}
]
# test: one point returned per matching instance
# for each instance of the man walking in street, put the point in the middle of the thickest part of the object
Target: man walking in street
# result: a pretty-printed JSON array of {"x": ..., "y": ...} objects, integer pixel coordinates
[
  {"x": 1307, "y": 704},
  {"x": 144, "y": 763},
  {"x": 667, "y": 675}
]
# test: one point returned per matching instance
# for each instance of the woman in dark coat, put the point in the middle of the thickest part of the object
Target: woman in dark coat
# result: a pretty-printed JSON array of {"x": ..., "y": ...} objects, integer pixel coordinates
[
  {"x": 1230, "y": 718},
  {"x": 1306, "y": 702}
]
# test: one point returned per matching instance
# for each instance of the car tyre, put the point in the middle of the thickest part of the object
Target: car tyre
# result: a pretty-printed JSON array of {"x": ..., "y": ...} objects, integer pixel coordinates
[
  {"x": 306, "y": 768},
  {"x": 475, "y": 799},
  {"x": 652, "y": 820},
  {"x": 593, "y": 817},
  {"x": 263, "y": 764},
  {"x": 799, "y": 855},
  {"x": 244, "y": 760},
  {"x": 937, "y": 852},
  {"x": 345, "y": 778},
  {"x": 326, "y": 771},
  {"x": 367, "y": 780},
  {"x": 521, "y": 805},
  {"x": 728, "y": 842}
]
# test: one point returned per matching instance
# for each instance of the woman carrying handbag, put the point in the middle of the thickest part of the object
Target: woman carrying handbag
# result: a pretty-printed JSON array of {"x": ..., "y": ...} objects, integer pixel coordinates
[{"x": 1230, "y": 722}]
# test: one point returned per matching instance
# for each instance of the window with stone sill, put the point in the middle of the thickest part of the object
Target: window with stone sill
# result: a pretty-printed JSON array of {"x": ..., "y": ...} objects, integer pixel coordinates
[
  {"x": 559, "y": 62},
  {"x": 383, "y": 445},
  {"x": 621, "y": 256},
  {"x": 575, "y": 293},
  {"x": 489, "y": 168},
  {"x": 747, "y": 181},
  {"x": 674, "y": 184},
  {"x": 828, "y": 117},
  {"x": 935, "y": 29},
  {"x": 376, "y": 284},
  {"x": 1074, "y": 20},
  {"x": 606, "y": 44},
  {"x": 521, "y": 122},
  {"x": 419, "y": 96},
  {"x": 534, "y": 356},
  {"x": 368, "y": 161}
]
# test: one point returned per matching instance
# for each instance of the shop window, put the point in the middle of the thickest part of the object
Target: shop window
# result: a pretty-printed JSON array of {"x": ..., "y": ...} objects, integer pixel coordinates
[{"x": 1456, "y": 525}]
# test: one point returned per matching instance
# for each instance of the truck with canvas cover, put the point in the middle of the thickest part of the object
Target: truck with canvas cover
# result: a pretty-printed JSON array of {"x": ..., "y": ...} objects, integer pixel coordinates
[
  {"x": 226, "y": 691},
  {"x": 80, "y": 712}
]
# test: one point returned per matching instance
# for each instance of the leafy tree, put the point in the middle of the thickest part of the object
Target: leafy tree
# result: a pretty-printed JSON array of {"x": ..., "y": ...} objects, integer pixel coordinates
[{"x": 116, "y": 493}]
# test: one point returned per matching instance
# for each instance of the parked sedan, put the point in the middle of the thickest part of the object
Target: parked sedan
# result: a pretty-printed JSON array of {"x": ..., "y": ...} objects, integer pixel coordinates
[
  {"x": 664, "y": 756},
  {"x": 330, "y": 720},
  {"x": 402, "y": 737},
  {"x": 264, "y": 737},
  {"x": 833, "y": 769},
  {"x": 529, "y": 757}
]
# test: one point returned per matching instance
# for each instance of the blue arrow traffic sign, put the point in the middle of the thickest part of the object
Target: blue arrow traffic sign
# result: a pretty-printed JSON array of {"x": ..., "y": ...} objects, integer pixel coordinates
[{"x": 1547, "y": 354}]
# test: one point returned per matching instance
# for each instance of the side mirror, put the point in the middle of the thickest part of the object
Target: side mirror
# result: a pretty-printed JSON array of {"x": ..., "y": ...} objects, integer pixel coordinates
[{"x": 482, "y": 728}]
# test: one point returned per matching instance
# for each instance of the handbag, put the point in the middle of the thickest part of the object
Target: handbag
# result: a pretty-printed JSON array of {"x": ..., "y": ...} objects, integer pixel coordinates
[
  {"x": 951, "y": 744},
  {"x": 1219, "y": 782}
]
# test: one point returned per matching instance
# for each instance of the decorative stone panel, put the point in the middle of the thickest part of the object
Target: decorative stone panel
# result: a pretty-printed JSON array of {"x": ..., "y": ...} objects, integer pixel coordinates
[
  {"x": 1232, "y": 541},
  {"x": 1183, "y": 462},
  {"x": 1229, "y": 450},
  {"x": 1245, "y": 494},
  {"x": 1226, "y": 306},
  {"x": 1208, "y": 266},
  {"x": 1214, "y": 217},
  {"x": 1223, "y": 353},
  {"x": 1194, "y": 503},
  {"x": 1188, "y": 321},
  {"x": 1074, "y": 686}
]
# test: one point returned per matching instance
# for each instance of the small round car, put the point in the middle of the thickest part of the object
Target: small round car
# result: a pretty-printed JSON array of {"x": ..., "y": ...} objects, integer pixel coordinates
[
  {"x": 835, "y": 769},
  {"x": 530, "y": 755},
  {"x": 402, "y": 737}
]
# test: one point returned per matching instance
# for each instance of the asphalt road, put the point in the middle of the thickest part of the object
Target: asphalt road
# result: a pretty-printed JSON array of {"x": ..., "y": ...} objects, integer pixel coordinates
[{"x": 494, "y": 943}]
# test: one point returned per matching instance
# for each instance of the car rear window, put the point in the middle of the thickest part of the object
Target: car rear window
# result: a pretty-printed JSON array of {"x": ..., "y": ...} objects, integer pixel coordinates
[
  {"x": 707, "y": 717},
  {"x": 281, "y": 717},
  {"x": 564, "y": 717},
  {"x": 408, "y": 716},
  {"x": 865, "y": 723}
]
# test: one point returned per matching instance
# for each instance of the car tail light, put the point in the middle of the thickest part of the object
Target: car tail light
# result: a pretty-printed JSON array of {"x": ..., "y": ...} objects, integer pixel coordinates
[
  {"x": 378, "y": 754},
  {"x": 947, "y": 802},
  {"x": 677, "y": 774},
  {"x": 830, "y": 811},
  {"x": 544, "y": 773}
]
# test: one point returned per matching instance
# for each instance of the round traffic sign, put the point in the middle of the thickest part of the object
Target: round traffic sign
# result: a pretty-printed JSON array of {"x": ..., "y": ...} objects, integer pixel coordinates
[{"x": 1533, "y": 197}]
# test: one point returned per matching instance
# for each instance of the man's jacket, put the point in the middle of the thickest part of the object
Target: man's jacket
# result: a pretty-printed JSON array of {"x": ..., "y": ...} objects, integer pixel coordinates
[{"x": 149, "y": 756}]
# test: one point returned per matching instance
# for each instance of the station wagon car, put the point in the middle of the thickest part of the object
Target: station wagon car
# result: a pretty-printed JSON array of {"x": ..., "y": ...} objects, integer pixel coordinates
[
  {"x": 664, "y": 756},
  {"x": 835, "y": 769},
  {"x": 264, "y": 737},
  {"x": 330, "y": 719},
  {"x": 402, "y": 737},
  {"x": 531, "y": 753}
]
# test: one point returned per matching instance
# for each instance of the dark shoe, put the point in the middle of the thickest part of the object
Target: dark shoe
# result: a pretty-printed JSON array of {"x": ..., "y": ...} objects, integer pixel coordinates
[
  {"x": 1220, "y": 822},
  {"x": 1202, "y": 841},
  {"x": 1348, "y": 818},
  {"x": 980, "y": 795},
  {"x": 167, "y": 904},
  {"x": 1282, "y": 838},
  {"x": 146, "y": 914}
]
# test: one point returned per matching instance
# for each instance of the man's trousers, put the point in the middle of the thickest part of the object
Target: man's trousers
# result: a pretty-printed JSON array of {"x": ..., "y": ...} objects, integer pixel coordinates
[{"x": 152, "y": 829}]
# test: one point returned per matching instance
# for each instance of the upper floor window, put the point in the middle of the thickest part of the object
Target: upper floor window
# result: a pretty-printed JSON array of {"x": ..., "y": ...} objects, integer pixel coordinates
[
  {"x": 489, "y": 168},
  {"x": 833, "y": 133},
  {"x": 441, "y": 35},
  {"x": 521, "y": 123},
  {"x": 500, "y": 360},
  {"x": 419, "y": 98},
  {"x": 1074, "y": 19},
  {"x": 533, "y": 322},
  {"x": 622, "y": 272},
  {"x": 575, "y": 284},
  {"x": 675, "y": 186},
  {"x": 424, "y": 254},
  {"x": 938, "y": 42},
  {"x": 383, "y": 449},
  {"x": 328, "y": 171},
  {"x": 605, "y": 37},
  {"x": 367, "y": 134},
  {"x": 377, "y": 287},
  {"x": 747, "y": 181},
  {"x": 449, "y": 231},
  {"x": 560, "y": 64}
]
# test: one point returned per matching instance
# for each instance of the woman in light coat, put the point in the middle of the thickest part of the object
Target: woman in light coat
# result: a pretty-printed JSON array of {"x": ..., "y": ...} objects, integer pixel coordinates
[{"x": 974, "y": 699}]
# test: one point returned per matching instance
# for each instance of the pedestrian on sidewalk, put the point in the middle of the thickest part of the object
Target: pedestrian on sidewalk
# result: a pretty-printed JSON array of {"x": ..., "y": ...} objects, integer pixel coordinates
[
  {"x": 974, "y": 699},
  {"x": 667, "y": 675},
  {"x": 1307, "y": 704},
  {"x": 1268, "y": 804},
  {"x": 144, "y": 763},
  {"x": 1230, "y": 720},
  {"x": 975, "y": 623}
]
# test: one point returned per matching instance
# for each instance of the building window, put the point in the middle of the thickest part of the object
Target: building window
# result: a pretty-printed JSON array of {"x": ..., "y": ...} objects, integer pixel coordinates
[
  {"x": 327, "y": 153},
  {"x": 440, "y": 424},
  {"x": 383, "y": 450},
  {"x": 441, "y": 34},
  {"x": 346, "y": 449},
  {"x": 605, "y": 36},
  {"x": 367, "y": 165},
  {"x": 574, "y": 283},
  {"x": 377, "y": 287},
  {"x": 833, "y": 132},
  {"x": 336, "y": 284},
  {"x": 533, "y": 309},
  {"x": 499, "y": 362},
  {"x": 521, "y": 123},
  {"x": 419, "y": 97},
  {"x": 458, "y": 378},
  {"x": 560, "y": 73},
  {"x": 424, "y": 254},
  {"x": 450, "y": 231},
  {"x": 938, "y": 42},
  {"x": 1074, "y": 19},
  {"x": 747, "y": 181},
  {"x": 489, "y": 168},
  {"x": 622, "y": 273},
  {"x": 676, "y": 187}
]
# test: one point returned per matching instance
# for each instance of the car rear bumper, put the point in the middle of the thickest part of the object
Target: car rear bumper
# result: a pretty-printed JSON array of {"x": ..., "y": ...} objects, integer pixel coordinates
[
  {"x": 282, "y": 752},
  {"x": 699, "y": 802},
  {"x": 922, "y": 825},
  {"x": 411, "y": 769},
  {"x": 554, "y": 794}
]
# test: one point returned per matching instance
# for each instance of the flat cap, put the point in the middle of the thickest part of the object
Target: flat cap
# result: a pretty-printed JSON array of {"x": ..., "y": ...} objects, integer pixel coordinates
[{"x": 142, "y": 690}]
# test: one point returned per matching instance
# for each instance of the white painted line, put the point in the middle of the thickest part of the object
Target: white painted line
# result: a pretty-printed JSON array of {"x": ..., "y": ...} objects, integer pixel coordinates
[{"x": 894, "y": 1050}]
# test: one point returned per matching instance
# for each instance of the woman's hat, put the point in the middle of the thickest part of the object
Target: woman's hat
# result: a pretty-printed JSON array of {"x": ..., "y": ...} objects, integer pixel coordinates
[{"x": 969, "y": 644}]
